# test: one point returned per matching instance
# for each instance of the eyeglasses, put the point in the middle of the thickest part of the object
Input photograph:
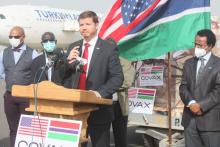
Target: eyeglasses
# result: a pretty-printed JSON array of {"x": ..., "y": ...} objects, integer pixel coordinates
[
  {"x": 45, "y": 41},
  {"x": 16, "y": 37}
]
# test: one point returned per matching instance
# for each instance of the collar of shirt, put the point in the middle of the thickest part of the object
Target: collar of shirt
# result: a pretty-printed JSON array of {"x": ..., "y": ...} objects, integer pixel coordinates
[
  {"x": 92, "y": 42},
  {"x": 23, "y": 48},
  {"x": 17, "y": 55},
  {"x": 206, "y": 57}
]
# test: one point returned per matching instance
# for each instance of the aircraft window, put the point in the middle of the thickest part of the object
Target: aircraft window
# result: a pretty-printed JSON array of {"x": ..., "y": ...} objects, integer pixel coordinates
[{"x": 2, "y": 16}]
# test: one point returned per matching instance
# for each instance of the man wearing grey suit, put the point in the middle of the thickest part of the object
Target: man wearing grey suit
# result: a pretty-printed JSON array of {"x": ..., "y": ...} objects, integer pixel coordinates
[{"x": 200, "y": 93}]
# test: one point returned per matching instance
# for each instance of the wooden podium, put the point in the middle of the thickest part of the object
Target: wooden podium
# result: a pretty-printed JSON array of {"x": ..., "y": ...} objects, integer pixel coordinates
[{"x": 59, "y": 102}]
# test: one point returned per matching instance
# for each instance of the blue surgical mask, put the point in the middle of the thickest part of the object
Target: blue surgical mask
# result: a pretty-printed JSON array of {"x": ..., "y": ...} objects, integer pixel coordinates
[{"x": 49, "y": 46}]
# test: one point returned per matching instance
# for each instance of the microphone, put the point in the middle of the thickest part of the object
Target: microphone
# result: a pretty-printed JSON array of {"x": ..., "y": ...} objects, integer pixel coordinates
[
  {"x": 59, "y": 57},
  {"x": 55, "y": 58},
  {"x": 58, "y": 53},
  {"x": 49, "y": 64},
  {"x": 80, "y": 62}
]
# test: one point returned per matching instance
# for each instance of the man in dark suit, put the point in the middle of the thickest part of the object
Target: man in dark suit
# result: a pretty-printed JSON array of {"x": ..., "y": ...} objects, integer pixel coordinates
[
  {"x": 120, "y": 103},
  {"x": 200, "y": 93},
  {"x": 49, "y": 65},
  {"x": 102, "y": 74}
]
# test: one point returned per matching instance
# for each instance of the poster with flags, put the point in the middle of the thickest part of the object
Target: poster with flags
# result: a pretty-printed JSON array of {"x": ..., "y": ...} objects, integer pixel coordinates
[
  {"x": 46, "y": 131},
  {"x": 141, "y": 100},
  {"x": 147, "y": 29},
  {"x": 151, "y": 76}
]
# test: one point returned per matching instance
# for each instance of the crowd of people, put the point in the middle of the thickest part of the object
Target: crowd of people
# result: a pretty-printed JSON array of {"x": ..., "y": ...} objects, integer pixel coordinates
[{"x": 104, "y": 73}]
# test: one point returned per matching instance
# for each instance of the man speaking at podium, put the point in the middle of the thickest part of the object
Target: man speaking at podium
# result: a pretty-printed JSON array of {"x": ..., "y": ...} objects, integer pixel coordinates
[{"x": 101, "y": 73}]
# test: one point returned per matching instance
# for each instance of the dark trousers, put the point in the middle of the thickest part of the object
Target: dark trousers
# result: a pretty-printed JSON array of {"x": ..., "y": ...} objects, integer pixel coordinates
[
  {"x": 196, "y": 138},
  {"x": 100, "y": 134},
  {"x": 119, "y": 126},
  {"x": 13, "y": 108}
]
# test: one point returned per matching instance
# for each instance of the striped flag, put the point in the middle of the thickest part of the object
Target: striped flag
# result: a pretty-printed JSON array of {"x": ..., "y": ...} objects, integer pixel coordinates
[
  {"x": 143, "y": 102},
  {"x": 124, "y": 16},
  {"x": 156, "y": 69},
  {"x": 150, "y": 28},
  {"x": 151, "y": 70},
  {"x": 48, "y": 131},
  {"x": 141, "y": 93},
  {"x": 66, "y": 131},
  {"x": 146, "y": 94},
  {"x": 132, "y": 92},
  {"x": 33, "y": 126}
]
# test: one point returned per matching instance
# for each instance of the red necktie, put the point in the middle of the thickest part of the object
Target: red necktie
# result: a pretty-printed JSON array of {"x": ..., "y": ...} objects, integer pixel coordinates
[{"x": 82, "y": 78}]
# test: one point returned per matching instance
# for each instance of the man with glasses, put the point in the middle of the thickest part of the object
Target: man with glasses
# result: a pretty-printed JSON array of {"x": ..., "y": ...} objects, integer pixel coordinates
[
  {"x": 49, "y": 65},
  {"x": 200, "y": 93},
  {"x": 15, "y": 65}
]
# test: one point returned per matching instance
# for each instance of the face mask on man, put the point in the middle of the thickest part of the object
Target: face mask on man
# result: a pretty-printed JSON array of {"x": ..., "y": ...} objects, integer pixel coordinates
[
  {"x": 199, "y": 52},
  {"x": 49, "y": 46},
  {"x": 14, "y": 42}
]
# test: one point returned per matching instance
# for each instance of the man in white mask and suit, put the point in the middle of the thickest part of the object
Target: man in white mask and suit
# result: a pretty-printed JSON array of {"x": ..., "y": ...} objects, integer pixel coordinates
[{"x": 200, "y": 93}]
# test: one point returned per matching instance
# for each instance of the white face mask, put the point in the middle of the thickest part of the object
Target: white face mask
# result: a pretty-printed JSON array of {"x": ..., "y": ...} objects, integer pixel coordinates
[
  {"x": 14, "y": 42},
  {"x": 199, "y": 52}
]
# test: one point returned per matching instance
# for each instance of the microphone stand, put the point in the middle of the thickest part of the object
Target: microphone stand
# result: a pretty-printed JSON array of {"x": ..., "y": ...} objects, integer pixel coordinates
[
  {"x": 35, "y": 87},
  {"x": 36, "y": 82}
]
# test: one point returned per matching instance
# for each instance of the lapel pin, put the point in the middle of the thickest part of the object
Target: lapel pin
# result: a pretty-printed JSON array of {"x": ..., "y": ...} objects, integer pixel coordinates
[{"x": 97, "y": 48}]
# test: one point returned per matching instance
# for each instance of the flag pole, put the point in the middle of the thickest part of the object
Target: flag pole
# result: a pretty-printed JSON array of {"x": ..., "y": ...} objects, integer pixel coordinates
[{"x": 169, "y": 101}]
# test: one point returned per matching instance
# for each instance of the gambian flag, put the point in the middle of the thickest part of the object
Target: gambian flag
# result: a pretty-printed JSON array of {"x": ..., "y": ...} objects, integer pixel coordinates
[
  {"x": 148, "y": 94},
  {"x": 151, "y": 70},
  {"x": 156, "y": 69},
  {"x": 66, "y": 131},
  {"x": 150, "y": 28}
]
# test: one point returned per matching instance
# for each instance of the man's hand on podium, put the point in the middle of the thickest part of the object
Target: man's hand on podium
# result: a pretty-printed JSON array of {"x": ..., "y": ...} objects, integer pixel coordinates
[{"x": 96, "y": 93}]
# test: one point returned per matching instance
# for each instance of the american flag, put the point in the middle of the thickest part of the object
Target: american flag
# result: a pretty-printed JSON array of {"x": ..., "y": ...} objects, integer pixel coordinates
[
  {"x": 33, "y": 126},
  {"x": 125, "y": 16}
]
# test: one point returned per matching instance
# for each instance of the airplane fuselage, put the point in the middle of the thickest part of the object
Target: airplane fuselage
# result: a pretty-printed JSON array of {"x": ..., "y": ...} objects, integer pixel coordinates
[{"x": 36, "y": 20}]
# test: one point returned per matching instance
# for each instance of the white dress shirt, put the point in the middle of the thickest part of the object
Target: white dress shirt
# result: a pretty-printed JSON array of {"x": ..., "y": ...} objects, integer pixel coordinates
[
  {"x": 206, "y": 59},
  {"x": 49, "y": 71},
  {"x": 90, "y": 49}
]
